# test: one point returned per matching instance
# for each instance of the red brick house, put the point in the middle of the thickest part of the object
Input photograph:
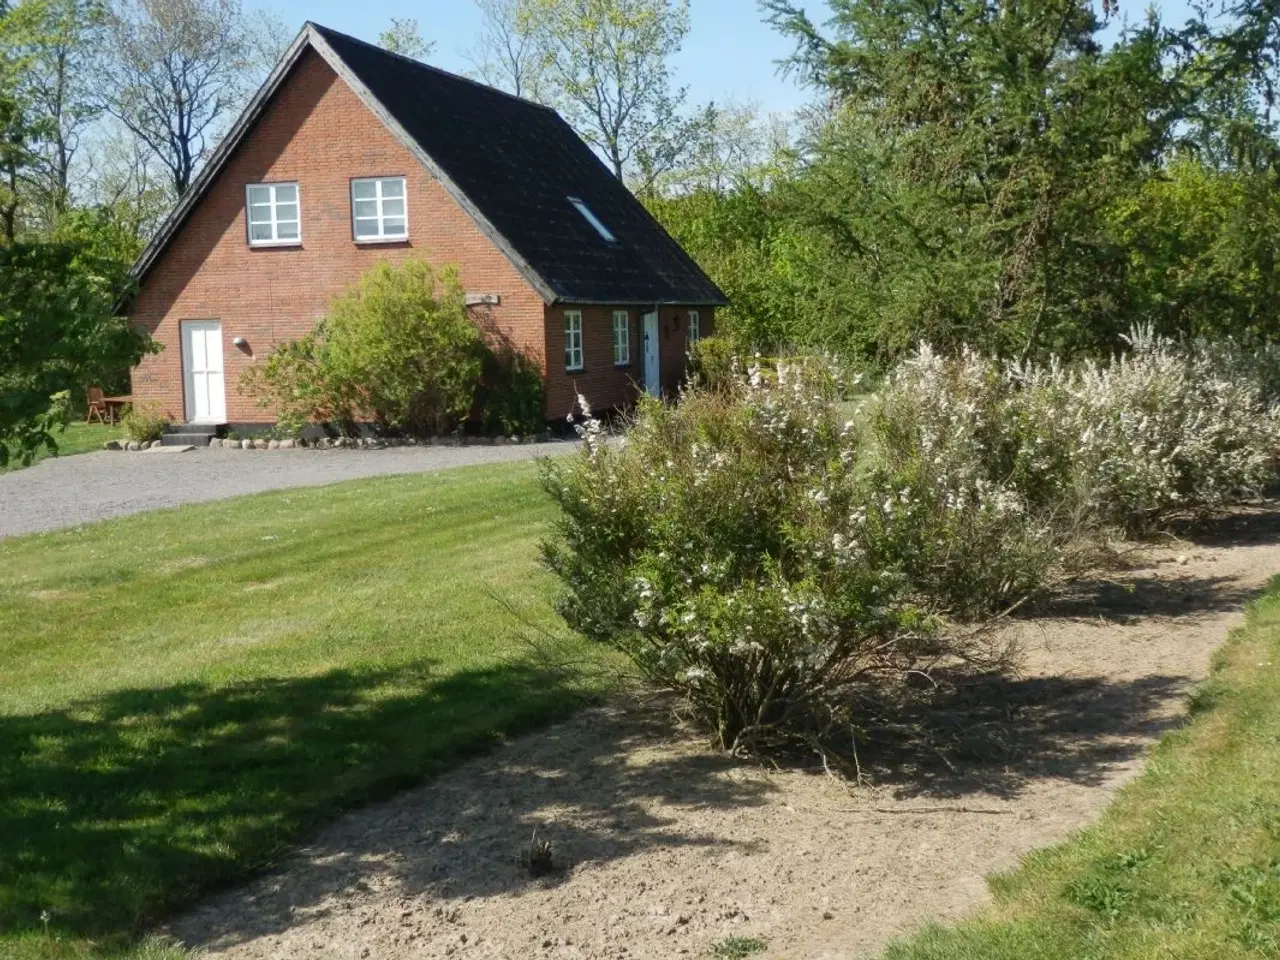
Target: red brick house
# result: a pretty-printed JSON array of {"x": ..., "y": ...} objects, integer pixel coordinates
[{"x": 350, "y": 154}]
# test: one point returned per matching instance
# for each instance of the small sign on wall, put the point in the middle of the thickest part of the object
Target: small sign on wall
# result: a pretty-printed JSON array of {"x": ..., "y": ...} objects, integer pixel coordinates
[{"x": 482, "y": 299}]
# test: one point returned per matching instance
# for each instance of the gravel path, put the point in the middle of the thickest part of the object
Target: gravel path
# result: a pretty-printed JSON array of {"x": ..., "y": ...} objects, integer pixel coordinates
[{"x": 67, "y": 491}]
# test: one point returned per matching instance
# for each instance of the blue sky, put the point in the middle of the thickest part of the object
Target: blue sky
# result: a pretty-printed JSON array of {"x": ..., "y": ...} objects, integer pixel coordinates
[{"x": 729, "y": 54}]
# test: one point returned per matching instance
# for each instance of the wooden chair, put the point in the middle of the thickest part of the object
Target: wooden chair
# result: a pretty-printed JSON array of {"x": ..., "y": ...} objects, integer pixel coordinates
[{"x": 97, "y": 405}]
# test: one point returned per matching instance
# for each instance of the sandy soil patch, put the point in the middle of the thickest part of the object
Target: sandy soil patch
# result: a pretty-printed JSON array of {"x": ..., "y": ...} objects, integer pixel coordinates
[{"x": 668, "y": 848}]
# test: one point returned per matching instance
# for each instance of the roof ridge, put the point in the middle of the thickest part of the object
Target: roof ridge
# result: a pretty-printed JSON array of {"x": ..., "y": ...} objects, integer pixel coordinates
[{"x": 432, "y": 67}]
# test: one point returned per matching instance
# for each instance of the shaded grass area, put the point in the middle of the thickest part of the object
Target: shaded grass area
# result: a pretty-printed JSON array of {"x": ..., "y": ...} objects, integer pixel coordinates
[
  {"x": 1185, "y": 863},
  {"x": 186, "y": 693},
  {"x": 77, "y": 438}
]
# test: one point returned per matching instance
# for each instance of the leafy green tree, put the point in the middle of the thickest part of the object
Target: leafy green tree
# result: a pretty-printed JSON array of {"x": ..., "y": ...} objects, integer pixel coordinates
[
  {"x": 975, "y": 150},
  {"x": 1203, "y": 250},
  {"x": 58, "y": 332},
  {"x": 606, "y": 65},
  {"x": 58, "y": 42},
  {"x": 403, "y": 37}
]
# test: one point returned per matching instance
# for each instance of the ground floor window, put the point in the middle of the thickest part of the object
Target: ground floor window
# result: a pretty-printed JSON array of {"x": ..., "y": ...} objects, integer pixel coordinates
[
  {"x": 621, "y": 338},
  {"x": 573, "y": 359},
  {"x": 695, "y": 327}
]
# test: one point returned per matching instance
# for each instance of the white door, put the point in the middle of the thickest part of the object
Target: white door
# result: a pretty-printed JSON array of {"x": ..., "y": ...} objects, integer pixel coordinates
[
  {"x": 652, "y": 380},
  {"x": 202, "y": 371}
]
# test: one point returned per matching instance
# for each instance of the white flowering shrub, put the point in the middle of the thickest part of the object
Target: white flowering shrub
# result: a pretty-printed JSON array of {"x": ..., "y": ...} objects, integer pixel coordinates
[
  {"x": 1166, "y": 427},
  {"x": 771, "y": 560},
  {"x": 721, "y": 548},
  {"x": 961, "y": 483}
]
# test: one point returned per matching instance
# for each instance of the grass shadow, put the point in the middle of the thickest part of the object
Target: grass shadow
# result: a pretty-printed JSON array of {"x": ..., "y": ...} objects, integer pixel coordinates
[
  {"x": 592, "y": 788},
  {"x": 116, "y": 810}
]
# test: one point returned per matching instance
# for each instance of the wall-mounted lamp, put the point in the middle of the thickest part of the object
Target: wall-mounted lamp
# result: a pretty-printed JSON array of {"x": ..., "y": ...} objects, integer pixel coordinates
[{"x": 239, "y": 341}]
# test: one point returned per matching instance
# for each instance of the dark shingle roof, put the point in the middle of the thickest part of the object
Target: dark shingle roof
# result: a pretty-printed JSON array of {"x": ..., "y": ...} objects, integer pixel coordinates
[{"x": 514, "y": 164}]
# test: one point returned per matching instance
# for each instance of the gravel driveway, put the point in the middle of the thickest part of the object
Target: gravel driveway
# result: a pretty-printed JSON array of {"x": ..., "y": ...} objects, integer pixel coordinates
[{"x": 67, "y": 491}]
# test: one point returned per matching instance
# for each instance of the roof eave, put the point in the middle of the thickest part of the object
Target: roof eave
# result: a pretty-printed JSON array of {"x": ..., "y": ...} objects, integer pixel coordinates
[{"x": 650, "y": 302}]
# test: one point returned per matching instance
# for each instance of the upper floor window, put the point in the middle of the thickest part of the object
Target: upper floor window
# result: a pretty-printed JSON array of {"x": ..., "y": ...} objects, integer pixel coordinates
[
  {"x": 573, "y": 340},
  {"x": 621, "y": 338},
  {"x": 695, "y": 327},
  {"x": 592, "y": 219},
  {"x": 273, "y": 214},
  {"x": 378, "y": 209}
]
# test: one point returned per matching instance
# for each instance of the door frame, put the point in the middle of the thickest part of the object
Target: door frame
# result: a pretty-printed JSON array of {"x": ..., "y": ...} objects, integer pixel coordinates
[
  {"x": 188, "y": 401},
  {"x": 652, "y": 384}
]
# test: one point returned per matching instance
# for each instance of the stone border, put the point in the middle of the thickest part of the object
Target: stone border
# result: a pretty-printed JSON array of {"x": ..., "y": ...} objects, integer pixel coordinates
[
  {"x": 337, "y": 443},
  {"x": 369, "y": 443}
]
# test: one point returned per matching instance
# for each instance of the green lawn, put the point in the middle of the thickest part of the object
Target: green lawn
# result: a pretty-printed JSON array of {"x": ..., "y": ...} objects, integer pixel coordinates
[
  {"x": 77, "y": 438},
  {"x": 185, "y": 693},
  {"x": 1185, "y": 865}
]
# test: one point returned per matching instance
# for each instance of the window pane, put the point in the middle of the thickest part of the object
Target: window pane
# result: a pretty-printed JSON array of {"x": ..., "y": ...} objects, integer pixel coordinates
[
  {"x": 287, "y": 231},
  {"x": 364, "y": 189},
  {"x": 393, "y": 226},
  {"x": 260, "y": 214},
  {"x": 366, "y": 228},
  {"x": 393, "y": 188},
  {"x": 393, "y": 208},
  {"x": 367, "y": 208},
  {"x": 287, "y": 211},
  {"x": 287, "y": 193},
  {"x": 259, "y": 194},
  {"x": 260, "y": 231}
]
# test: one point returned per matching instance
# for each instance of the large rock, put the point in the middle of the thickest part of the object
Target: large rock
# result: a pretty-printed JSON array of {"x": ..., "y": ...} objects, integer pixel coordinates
[
  {"x": 287, "y": 444},
  {"x": 113, "y": 445},
  {"x": 246, "y": 444}
]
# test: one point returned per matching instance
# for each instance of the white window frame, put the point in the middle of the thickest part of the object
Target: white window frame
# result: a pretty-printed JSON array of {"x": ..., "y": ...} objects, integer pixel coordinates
[
  {"x": 273, "y": 204},
  {"x": 589, "y": 216},
  {"x": 622, "y": 324},
  {"x": 574, "y": 355},
  {"x": 381, "y": 217},
  {"x": 695, "y": 327}
]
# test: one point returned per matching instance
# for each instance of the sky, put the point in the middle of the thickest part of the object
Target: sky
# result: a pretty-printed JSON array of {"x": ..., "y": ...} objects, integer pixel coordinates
[{"x": 730, "y": 54}]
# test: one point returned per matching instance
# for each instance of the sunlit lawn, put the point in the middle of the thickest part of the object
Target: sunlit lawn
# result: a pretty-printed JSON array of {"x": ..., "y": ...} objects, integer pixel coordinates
[
  {"x": 183, "y": 694},
  {"x": 1185, "y": 865},
  {"x": 77, "y": 438}
]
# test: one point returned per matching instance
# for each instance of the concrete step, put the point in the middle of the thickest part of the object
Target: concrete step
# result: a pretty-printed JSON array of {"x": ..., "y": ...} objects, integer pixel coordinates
[
  {"x": 208, "y": 429},
  {"x": 186, "y": 439}
]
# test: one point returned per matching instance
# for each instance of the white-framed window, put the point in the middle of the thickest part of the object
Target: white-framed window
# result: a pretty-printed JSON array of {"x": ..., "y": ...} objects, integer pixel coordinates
[
  {"x": 621, "y": 338},
  {"x": 573, "y": 340},
  {"x": 592, "y": 219},
  {"x": 695, "y": 326},
  {"x": 379, "y": 210},
  {"x": 273, "y": 214}
]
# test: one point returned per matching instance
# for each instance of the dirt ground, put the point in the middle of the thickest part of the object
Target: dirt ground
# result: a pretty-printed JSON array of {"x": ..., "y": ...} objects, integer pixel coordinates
[{"x": 666, "y": 848}]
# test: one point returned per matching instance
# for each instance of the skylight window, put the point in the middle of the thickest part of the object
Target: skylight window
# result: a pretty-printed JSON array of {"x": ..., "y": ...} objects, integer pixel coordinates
[{"x": 592, "y": 219}]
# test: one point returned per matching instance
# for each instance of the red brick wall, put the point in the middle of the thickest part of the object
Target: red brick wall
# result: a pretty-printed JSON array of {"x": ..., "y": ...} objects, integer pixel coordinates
[
  {"x": 316, "y": 132},
  {"x": 604, "y": 385}
]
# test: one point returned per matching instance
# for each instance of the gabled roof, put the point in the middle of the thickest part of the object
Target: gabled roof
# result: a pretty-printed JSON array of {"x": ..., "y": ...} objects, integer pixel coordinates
[{"x": 511, "y": 164}]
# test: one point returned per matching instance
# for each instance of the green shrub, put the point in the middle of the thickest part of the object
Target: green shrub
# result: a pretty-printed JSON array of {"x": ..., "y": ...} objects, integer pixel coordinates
[
  {"x": 292, "y": 382},
  {"x": 397, "y": 347},
  {"x": 144, "y": 422},
  {"x": 399, "y": 344},
  {"x": 513, "y": 394},
  {"x": 715, "y": 364}
]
